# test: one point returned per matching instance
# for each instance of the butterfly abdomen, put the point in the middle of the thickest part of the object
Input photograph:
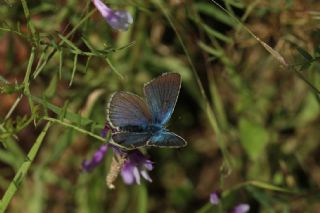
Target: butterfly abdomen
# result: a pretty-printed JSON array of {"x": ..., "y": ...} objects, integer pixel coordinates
[
  {"x": 153, "y": 128},
  {"x": 146, "y": 128},
  {"x": 131, "y": 128}
]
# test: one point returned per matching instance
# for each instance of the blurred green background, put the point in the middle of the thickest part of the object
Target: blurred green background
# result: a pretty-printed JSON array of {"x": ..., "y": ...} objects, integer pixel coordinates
[{"x": 251, "y": 122}]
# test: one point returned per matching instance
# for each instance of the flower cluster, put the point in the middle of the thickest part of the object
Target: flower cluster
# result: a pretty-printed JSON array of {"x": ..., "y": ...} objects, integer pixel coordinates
[
  {"x": 131, "y": 165},
  {"x": 137, "y": 164},
  {"x": 97, "y": 158}
]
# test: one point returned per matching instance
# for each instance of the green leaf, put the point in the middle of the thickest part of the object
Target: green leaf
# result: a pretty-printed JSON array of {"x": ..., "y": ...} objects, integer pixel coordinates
[
  {"x": 17, "y": 180},
  {"x": 64, "y": 141},
  {"x": 60, "y": 63},
  {"x": 87, "y": 64},
  {"x": 216, "y": 34},
  {"x": 29, "y": 23},
  {"x": 8, "y": 158},
  {"x": 75, "y": 61},
  {"x": 69, "y": 43},
  {"x": 215, "y": 52},
  {"x": 236, "y": 3},
  {"x": 213, "y": 11},
  {"x": 309, "y": 112},
  {"x": 87, "y": 43},
  {"x": 73, "y": 117},
  {"x": 51, "y": 89},
  {"x": 42, "y": 62},
  {"x": 268, "y": 186},
  {"x": 303, "y": 52},
  {"x": 253, "y": 138}
]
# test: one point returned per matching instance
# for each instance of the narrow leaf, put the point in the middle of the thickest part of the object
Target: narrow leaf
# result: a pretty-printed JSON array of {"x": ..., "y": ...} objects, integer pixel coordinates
[
  {"x": 17, "y": 180},
  {"x": 268, "y": 186},
  {"x": 60, "y": 63},
  {"x": 69, "y": 43},
  {"x": 75, "y": 61},
  {"x": 214, "y": 12},
  {"x": 303, "y": 52},
  {"x": 73, "y": 117}
]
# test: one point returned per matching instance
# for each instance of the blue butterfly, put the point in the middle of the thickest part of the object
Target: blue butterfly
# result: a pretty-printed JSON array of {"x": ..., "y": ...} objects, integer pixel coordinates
[{"x": 137, "y": 123}]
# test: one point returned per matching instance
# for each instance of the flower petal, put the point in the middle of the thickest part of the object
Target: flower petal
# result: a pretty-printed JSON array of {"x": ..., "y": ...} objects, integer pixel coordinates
[
  {"x": 98, "y": 156},
  {"x": 127, "y": 174},
  {"x": 136, "y": 175},
  {"x": 103, "y": 9},
  {"x": 241, "y": 208},
  {"x": 214, "y": 198},
  {"x": 145, "y": 175},
  {"x": 136, "y": 164},
  {"x": 105, "y": 130},
  {"x": 119, "y": 19},
  {"x": 148, "y": 165},
  {"x": 88, "y": 165}
]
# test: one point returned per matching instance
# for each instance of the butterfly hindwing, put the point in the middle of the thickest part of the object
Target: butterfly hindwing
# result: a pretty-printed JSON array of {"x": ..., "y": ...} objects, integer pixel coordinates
[
  {"x": 161, "y": 96},
  {"x": 126, "y": 109},
  {"x": 131, "y": 139},
  {"x": 166, "y": 139}
]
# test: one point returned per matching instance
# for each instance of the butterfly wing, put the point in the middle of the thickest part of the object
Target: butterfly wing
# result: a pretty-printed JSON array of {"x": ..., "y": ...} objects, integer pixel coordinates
[
  {"x": 131, "y": 139},
  {"x": 127, "y": 110},
  {"x": 161, "y": 95},
  {"x": 166, "y": 139}
]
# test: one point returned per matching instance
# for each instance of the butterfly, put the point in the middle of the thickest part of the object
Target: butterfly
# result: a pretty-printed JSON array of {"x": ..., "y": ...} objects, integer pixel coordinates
[{"x": 136, "y": 123}]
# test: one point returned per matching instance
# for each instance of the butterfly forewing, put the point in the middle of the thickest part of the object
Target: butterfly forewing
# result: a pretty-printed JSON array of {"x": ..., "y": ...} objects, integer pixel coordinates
[
  {"x": 161, "y": 95},
  {"x": 126, "y": 109},
  {"x": 167, "y": 139},
  {"x": 131, "y": 139}
]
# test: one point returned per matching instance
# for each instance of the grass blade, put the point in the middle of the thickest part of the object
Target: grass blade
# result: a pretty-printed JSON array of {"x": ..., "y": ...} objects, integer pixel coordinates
[
  {"x": 17, "y": 180},
  {"x": 60, "y": 63}
]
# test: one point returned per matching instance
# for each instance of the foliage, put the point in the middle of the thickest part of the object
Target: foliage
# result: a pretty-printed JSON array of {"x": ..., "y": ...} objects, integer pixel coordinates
[{"x": 248, "y": 107}]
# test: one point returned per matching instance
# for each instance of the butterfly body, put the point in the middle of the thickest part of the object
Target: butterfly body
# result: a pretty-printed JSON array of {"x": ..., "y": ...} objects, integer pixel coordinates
[{"x": 137, "y": 123}]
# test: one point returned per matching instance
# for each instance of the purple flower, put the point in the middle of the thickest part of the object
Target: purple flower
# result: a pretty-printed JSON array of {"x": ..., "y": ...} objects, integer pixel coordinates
[
  {"x": 215, "y": 198},
  {"x": 105, "y": 130},
  {"x": 97, "y": 158},
  {"x": 117, "y": 19},
  {"x": 132, "y": 165},
  {"x": 136, "y": 164},
  {"x": 241, "y": 208}
]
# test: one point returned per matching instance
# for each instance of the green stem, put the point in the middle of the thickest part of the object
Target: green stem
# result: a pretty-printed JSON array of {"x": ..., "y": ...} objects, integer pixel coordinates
[
  {"x": 27, "y": 15},
  {"x": 101, "y": 139}
]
